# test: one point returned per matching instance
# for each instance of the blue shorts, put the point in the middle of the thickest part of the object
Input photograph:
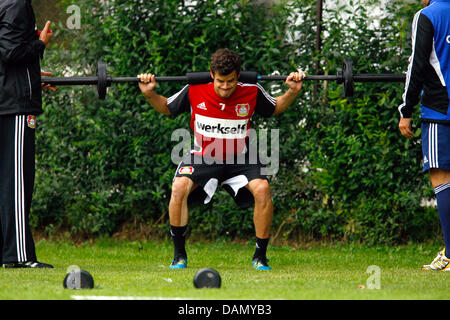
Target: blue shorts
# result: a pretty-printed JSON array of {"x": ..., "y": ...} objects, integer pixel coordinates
[{"x": 435, "y": 146}]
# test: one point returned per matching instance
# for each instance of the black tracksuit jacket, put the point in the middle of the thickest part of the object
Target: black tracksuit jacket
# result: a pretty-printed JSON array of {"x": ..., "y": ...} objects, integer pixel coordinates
[{"x": 20, "y": 54}]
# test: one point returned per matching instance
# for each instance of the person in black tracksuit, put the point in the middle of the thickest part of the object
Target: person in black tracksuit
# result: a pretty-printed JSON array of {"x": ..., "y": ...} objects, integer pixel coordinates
[{"x": 21, "y": 49}]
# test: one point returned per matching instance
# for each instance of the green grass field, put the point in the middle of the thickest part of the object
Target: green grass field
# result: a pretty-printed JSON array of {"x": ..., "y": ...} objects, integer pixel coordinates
[{"x": 139, "y": 270}]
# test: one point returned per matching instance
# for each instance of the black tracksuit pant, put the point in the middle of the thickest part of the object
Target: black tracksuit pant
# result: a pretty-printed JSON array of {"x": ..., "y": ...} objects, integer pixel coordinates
[{"x": 17, "y": 168}]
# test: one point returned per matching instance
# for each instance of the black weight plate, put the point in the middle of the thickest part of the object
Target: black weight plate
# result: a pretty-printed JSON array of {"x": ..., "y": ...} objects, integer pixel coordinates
[
  {"x": 347, "y": 70},
  {"x": 78, "y": 279},
  {"x": 207, "y": 278},
  {"x": 102, "y": 83}
]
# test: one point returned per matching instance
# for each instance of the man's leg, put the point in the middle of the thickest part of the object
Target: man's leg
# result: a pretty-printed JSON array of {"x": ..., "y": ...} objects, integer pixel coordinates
[
  {"x": 262, "y": 219},
  {"x": 6, "y": 128},
  {"x": 178, "y": 217},
  {"x": 17, "y": 169},
  {"x": 436, "y": 157},
  {"x": 17, "y": 156},
  {"x": 440, "y": 179}
]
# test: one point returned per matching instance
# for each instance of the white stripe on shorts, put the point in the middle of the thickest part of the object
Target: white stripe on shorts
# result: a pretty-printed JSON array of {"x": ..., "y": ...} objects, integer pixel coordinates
[
  {"x": 441, "y": 187},
  {"x": 433, "y": 145}
]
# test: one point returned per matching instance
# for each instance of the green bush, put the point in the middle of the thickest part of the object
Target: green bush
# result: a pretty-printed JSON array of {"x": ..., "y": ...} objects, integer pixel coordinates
[{"x": 345, "y": 171}]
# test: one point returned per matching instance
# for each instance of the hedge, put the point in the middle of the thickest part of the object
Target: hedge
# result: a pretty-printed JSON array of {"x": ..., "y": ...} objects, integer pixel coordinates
[{"x": 346, "y": 173}]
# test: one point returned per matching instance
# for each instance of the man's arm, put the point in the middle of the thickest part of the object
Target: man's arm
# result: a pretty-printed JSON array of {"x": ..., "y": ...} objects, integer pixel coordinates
[
  {"x": 422, "y": 43},
  {"x": 147, "y": 86},
  {"x": 295, "y": 83},
  {"x": 157, "y": 101},
  {"x": 13, "y": 47}
]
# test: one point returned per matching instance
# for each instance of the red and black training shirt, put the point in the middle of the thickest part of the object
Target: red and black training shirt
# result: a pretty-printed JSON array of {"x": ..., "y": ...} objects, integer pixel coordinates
[{"x": 221, "y": 126}]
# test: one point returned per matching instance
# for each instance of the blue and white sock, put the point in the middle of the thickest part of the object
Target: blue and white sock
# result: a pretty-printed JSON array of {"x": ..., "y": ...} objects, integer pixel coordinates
[{"x": 443, "y": 203}]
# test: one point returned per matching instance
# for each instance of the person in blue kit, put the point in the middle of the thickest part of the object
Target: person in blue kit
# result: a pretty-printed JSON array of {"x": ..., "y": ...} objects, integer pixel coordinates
[{"x": 428, "y": 80}]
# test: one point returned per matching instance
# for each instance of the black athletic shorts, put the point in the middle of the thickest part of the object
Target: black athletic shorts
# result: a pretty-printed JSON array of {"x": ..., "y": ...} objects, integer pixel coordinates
[{"x": 232, "y": 177}]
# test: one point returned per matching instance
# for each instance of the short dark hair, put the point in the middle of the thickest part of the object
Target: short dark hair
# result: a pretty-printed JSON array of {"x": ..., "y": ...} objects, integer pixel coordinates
[{"x": 225, "y": 61}]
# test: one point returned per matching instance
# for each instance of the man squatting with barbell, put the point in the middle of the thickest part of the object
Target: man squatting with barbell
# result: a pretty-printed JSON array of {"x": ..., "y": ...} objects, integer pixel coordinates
[
  {"x": 224, "y": 102},
  {"x": 429, "y": 75}
]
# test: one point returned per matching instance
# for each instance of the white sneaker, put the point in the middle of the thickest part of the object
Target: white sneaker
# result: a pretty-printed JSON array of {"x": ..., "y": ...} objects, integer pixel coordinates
[{"x": 441, "y": 262}]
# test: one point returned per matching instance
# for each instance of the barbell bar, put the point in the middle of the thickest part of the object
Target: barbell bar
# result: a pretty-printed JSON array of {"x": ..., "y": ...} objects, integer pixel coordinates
[{"x": 103, "y": 79}]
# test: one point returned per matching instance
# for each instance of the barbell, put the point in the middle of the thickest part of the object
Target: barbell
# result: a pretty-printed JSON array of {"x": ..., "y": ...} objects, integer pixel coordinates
[{"x": 103, "y": 79}]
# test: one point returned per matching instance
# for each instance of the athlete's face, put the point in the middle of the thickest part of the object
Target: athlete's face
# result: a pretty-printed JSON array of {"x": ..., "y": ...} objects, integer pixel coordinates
[
  {"x": 426, "y": 2},
  {"x": 225, "y": 85}
]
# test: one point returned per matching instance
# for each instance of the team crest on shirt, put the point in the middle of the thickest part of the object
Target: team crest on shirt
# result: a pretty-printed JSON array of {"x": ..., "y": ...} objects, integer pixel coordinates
[
  {"x": 242, "y": 109},
  {"x": 31, "y": 120},
  {"x": 186, "y": 170}
]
